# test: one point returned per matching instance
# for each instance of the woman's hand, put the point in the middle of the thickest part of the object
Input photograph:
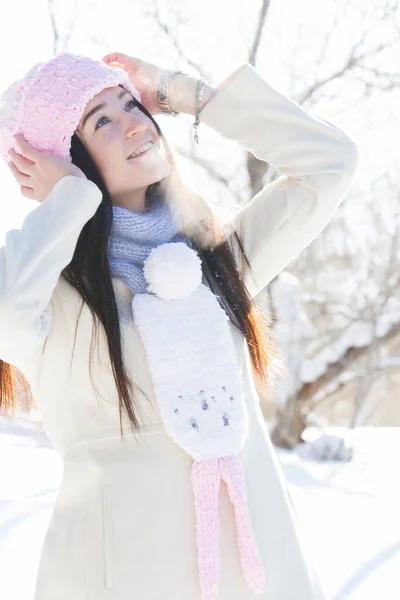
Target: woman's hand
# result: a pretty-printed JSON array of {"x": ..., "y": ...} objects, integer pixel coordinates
[
  {"x": 144, "y": 76},
  {"x": 38, "y": 172},
  {"x": 146, "y": 79}
]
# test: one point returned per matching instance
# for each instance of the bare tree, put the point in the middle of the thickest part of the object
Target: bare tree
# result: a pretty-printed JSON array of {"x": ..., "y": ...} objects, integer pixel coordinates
[
  {"x": 355, "y": 350},
  {"x": 364, "y": 65}
]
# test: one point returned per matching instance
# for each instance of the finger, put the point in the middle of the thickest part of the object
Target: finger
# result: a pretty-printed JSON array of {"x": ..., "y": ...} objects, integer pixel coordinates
[
  {"x": 22, "y": 178},
  {"x": 21, "y": 161},
  {"x": 118, "y": 58},
  {"x": 117, "y": 66},
  {"x": 28, "y": 192},
  {"x": 27, "y": 150},
  {"x": 112, "y": 57}
]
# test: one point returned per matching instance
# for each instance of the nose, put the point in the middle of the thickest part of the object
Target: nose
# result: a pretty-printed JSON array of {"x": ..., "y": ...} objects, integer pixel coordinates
[{"x": 134, "y": 124}]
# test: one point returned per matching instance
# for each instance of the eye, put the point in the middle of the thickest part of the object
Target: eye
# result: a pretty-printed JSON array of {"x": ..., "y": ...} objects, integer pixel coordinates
[{"x": 127, "y": 104}]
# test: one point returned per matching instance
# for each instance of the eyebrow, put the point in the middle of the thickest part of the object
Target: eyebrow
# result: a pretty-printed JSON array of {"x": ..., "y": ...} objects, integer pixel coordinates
[{"x": 100, "y": 106}]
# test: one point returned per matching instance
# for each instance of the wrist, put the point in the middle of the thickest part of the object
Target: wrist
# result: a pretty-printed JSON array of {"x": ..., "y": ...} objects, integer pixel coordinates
[{"x": 182, "y": 94}]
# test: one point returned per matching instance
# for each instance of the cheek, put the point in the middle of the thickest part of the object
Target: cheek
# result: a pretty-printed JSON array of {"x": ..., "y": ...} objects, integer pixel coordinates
[{"x": 108, "y": 151}]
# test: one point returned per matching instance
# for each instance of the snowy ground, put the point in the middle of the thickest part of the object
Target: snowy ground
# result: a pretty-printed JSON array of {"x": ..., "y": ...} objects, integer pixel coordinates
[{"x": 349, "y": 513}]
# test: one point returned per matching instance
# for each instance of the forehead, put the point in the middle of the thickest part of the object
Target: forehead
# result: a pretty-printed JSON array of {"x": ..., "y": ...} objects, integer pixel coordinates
[{"x": 106, "y": 95}]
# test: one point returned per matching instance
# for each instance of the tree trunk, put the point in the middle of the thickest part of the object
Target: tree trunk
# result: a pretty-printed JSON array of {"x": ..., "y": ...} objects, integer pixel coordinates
[{"x": 289, "y": 426}]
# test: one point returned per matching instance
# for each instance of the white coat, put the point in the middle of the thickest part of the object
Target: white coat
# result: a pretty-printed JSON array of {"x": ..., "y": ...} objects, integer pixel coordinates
[{"x": 122, "y": 527}]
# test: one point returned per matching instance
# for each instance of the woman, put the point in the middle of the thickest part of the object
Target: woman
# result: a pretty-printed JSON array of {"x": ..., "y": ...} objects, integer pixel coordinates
[{"x": 171, "y": 488}]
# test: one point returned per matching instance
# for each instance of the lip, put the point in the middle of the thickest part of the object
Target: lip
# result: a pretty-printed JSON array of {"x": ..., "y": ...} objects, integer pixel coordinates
[{"x": 155, "y": 145}]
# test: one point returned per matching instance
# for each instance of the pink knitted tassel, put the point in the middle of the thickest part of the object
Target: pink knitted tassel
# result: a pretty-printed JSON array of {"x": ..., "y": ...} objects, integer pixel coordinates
[
  {"x": 206, "y": 476},
  {"x": 206, "y": 480},
  {"x": 232, "y": 473}
]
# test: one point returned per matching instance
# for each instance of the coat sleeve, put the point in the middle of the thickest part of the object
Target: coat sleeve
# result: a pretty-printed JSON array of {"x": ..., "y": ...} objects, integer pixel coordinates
[
  {"x": 30, "y": 265},
  {"x": 316, "y": 162}
]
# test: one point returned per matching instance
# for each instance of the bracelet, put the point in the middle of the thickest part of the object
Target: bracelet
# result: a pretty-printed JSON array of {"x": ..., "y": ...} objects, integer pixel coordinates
[
  {"x": 162, "y": 92},
  {"x": 162, "y": 96},
  {"x": 199, "y": 94}
]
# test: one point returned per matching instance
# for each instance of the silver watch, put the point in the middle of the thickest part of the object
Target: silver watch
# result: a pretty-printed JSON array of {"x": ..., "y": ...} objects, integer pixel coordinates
[{"x": 162, "y": 92}]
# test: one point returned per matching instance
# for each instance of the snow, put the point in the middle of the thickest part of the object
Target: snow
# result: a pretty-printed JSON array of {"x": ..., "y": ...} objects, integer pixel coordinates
[
  {"x": 327, "y": 447},
  {"x": 348, "y": 511}
]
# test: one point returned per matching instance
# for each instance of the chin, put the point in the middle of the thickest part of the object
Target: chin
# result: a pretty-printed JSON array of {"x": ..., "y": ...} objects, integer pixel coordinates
[{"x": 161, "y": 172}]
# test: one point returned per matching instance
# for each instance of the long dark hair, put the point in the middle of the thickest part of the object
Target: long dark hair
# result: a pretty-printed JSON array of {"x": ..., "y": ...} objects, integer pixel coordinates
[{"x": 89, "y": 273}]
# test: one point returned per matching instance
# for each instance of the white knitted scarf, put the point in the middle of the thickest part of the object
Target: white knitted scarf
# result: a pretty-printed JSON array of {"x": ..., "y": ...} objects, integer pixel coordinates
[{"x": 195, "y": 373}]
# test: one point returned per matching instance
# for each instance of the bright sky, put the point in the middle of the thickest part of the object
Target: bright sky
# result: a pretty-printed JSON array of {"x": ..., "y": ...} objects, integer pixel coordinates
[{"x": 216, "y": 35}]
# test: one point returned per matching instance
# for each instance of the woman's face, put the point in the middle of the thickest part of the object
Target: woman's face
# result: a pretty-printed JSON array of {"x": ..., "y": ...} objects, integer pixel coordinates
[{"x": 111, "y": 134}]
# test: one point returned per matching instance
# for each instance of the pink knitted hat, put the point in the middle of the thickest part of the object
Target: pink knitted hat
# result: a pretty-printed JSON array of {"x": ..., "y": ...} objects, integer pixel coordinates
[{"x": 47, "y": 104}]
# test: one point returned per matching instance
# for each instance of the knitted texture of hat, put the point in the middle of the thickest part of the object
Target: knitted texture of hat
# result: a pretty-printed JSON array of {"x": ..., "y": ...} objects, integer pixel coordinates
[{"x": 47, "y": 104}]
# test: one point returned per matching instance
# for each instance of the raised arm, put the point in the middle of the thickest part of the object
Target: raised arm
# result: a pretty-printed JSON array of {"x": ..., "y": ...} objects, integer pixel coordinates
[
  {"x": 316, "y": 161},
  {"x": 30, "y": 265}
]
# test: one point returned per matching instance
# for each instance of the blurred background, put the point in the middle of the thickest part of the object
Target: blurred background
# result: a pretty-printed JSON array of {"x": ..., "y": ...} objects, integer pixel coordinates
[{"x": 334, "y": 415}]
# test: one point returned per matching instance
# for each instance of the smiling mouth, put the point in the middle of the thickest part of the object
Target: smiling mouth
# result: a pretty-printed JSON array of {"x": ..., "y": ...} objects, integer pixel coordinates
[{"x": 145, "y": 152}]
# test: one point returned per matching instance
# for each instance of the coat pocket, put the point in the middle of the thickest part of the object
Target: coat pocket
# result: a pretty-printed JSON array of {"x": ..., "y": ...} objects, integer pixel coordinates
[{"x": 108, "y": 535}]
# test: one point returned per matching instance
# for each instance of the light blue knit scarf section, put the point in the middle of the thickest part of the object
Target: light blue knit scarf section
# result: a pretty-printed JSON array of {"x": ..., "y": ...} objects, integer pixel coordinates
[{"x": 134, "y": 235}]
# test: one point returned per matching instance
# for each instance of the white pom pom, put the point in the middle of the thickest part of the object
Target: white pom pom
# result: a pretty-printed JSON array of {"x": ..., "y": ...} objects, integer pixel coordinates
[{"x": 172, "y": 270}]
